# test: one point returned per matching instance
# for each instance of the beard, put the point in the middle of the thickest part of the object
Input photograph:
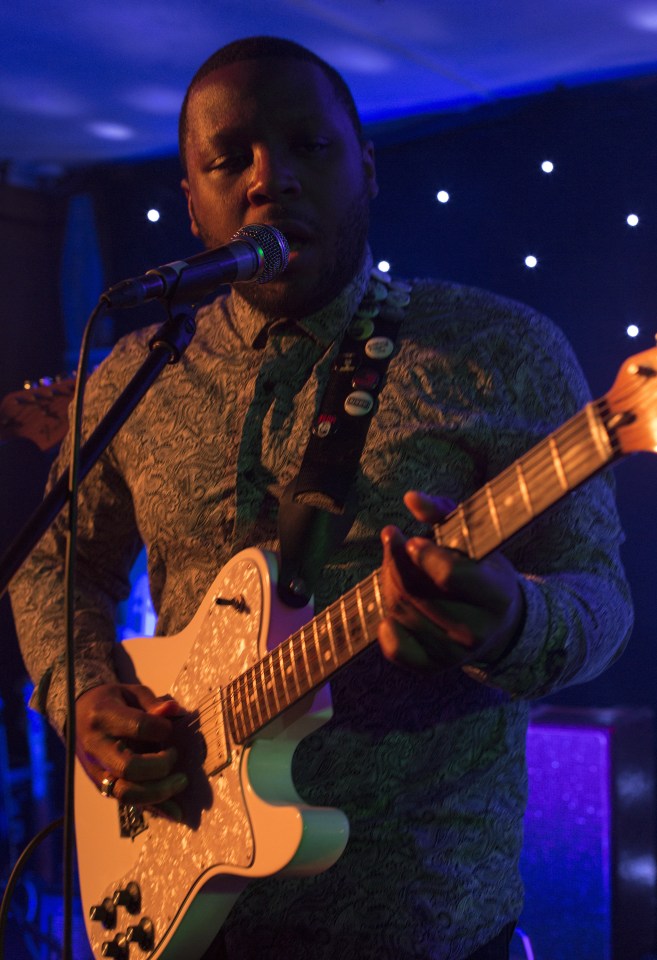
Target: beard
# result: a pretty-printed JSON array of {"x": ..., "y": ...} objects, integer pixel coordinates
[{"x": 306, "y": 294}]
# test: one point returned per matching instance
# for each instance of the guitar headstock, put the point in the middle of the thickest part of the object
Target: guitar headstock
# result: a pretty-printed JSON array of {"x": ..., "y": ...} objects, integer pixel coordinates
[
  {"x": 38, "y": 412},
  {"x": 632, "y": 403}
]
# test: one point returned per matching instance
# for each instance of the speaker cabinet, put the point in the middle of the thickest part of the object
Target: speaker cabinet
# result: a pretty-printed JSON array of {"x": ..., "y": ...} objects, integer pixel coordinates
[{"x": 589, "y": 856}]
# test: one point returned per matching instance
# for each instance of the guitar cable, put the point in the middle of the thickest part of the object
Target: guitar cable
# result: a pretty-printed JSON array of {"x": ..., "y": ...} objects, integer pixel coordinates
[
  {"x": 67, "y": 820},
  {"x": 19, "y": 866}
]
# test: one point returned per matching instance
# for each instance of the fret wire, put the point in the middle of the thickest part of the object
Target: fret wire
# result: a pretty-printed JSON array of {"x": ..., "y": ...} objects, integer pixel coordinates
[
  {"x": 318, "y": 647},
  {"x": 464, "y": 529},
  {"x": 361, "y": 611},
  {"x": 267, "y": 688},
  {"x": 524, "y": 490},
  {"x": 283, "y": 674},
  {"x": 492, "y": 511},
  {"x": 271, "y": 681},
  {"x": 280, "y": 688},
  {"x": 294, "y": 663},
  {"x": 345, "y": 625},
  {"x": 235, "y": 712},
  {"x": 328, "y": 620},
  {"x": 256, "y": 694},
  {"x": 558, "y": 463},
  {"x": 304, "y": 650},
  {"x": 247, "y": 706},
  {"x": 372, "y": 613},
  {"x": 239, "y": 716},
  {"x": 377, "y": 593}
]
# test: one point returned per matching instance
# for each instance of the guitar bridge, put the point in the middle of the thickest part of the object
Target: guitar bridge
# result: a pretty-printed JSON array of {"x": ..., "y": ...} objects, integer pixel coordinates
[{"x": 131, "y": 820}]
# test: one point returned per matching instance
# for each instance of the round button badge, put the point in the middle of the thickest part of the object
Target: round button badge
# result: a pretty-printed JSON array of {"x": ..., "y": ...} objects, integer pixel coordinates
[
  {"x": 378, "y": 348},
  {"x": 359, "y": 403},
  {"x": 361, "y": 328}
]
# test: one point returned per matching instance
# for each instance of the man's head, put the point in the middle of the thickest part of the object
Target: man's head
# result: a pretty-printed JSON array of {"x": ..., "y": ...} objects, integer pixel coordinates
[{"x": 269, "y": 133}]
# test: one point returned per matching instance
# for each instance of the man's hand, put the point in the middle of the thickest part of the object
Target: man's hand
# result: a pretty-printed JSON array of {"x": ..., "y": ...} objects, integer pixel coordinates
[
  {"x": 444, "y": 609},
  {"x": 124, "y": 733}
]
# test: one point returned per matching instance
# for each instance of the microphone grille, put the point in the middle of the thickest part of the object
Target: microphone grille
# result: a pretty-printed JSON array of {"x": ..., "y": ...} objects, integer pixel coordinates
[{"x": 274, "y": 247}]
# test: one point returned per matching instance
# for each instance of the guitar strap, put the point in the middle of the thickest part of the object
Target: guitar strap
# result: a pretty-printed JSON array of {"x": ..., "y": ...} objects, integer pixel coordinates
[{"x": 318, "y": 508}]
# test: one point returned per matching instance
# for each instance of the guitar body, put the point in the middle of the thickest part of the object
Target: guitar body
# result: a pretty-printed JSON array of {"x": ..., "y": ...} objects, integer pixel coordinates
[{"x": 242, "y": 817}]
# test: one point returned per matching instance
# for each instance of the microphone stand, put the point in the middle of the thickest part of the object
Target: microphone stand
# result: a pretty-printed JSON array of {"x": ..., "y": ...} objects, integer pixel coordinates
[{"x": 166, "y": 347}]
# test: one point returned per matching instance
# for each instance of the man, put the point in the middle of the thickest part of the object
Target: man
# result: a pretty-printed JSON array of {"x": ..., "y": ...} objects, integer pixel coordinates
[{"x": 425, "y": 751}]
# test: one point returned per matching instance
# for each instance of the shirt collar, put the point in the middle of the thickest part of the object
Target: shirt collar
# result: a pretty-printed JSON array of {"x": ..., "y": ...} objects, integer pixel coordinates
[{"x": 323, "y": 326}]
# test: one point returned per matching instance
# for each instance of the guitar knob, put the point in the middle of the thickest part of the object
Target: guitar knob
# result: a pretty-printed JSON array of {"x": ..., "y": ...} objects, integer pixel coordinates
[
  {"x": 104, "y": 913},
  {"x": 129, "y": 897},
  {"x": 118, "y": 947},
  {"x": 143, "y": 934}
]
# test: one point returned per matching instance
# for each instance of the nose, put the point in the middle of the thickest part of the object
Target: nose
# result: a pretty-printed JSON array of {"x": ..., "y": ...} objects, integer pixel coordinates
[{"x": 274, "y": 176}]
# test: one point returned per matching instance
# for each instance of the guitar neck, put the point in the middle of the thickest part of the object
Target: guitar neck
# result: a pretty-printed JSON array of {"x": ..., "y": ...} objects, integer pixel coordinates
[
  {"x": 310, "y": 657},
  {"x": 555, "y": 466}
]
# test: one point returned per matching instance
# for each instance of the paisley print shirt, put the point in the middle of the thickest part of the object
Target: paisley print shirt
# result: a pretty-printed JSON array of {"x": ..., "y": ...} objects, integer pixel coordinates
[{"x": 429, "y": 767}]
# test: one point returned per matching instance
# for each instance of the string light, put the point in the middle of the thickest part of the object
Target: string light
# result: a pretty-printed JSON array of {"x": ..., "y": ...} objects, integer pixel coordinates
[
  {"x": 531, "y": 262},
  {"x": 632, "y": 330},
  {"x": 153, "y": 215},
  {"x": 383, "y": 266},
  {"x": 547, "y": 166},
  {"x": 442, "y": 196},
  {"x": 633, "y": 220}
]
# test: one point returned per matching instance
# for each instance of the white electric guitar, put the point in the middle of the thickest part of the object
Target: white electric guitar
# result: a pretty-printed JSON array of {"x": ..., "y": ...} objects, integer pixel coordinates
[{"x": 252, "y": 673}]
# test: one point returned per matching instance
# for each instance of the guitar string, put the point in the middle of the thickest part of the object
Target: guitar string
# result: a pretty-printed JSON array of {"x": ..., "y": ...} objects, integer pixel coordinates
[
  {"x": 296, "y": 640},
  {"x": 260, "y": 697},
  {"x": 248, "y": 692},
  {"x": 533, "y": 462}
]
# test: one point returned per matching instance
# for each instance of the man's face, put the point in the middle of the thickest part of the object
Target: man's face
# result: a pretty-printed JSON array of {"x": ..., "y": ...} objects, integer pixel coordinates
[{"x": 268, "y": 142}]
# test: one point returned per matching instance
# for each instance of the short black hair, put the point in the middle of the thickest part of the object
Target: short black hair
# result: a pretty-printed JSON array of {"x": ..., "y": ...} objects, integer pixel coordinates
[{"x": 256, "y": 48}]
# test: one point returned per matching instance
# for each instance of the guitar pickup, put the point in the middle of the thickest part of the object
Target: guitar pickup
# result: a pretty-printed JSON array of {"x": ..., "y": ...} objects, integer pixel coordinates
[{"x": 213, "y": 730}]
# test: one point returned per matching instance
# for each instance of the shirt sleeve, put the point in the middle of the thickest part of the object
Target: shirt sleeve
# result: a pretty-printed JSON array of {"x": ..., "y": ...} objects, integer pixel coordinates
[
  {"x": 578, "y": 608},
  {"x": 108, "y": 543}
]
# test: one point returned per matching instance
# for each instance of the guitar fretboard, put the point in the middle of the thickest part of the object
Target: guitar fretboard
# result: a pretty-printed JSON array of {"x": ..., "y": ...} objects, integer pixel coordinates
[
  {"x": 536, "y": 481},
  {"x": 305, "y": 660},
  {"x": 481, "y": 524}
]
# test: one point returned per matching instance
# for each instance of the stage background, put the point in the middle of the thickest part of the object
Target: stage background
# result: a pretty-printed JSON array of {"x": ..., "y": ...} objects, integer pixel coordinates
[{"x": 596, "y": 274}]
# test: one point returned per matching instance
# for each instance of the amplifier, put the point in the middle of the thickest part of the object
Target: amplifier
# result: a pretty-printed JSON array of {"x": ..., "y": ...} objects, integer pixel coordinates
[{"x": 589, "y": 855}]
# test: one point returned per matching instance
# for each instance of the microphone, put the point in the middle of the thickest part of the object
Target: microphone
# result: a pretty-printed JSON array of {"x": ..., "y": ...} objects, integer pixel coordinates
[{"x": 256, "y": 252}]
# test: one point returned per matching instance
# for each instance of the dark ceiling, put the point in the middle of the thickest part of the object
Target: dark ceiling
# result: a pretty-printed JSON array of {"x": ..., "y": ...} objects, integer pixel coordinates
[{"x": 85, "y": 80}]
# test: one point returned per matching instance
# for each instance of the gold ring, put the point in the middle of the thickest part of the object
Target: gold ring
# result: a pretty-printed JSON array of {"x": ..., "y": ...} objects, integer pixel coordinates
[{"x": 107, "y": 785}]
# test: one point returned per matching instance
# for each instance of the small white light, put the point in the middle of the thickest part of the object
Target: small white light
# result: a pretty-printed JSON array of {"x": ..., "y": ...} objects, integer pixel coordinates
[
  {"x": 531, "y": 262},
  {"x": 632, "y": 220},
  {"x": 383, "y": 266},
  {"x": 153, "y": 215},
  {"x": 632, "y": 330},
  {"x": 442, "y": 196},
  {"x": 547, "y": 166}
]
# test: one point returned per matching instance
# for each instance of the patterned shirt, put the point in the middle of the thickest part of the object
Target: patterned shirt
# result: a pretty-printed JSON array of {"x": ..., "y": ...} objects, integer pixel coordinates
[{"x": 429, "y": 767}]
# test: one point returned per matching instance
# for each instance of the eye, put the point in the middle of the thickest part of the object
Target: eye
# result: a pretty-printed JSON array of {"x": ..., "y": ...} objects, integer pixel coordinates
[
  {"x": 231, "y": 162},
  {"x": 316, "y": 145}
]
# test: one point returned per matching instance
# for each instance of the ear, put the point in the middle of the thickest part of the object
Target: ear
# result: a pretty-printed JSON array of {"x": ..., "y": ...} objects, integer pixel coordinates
[
  {"x": 370, "y": 168},
  {"x": 190, "y": 207}
]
